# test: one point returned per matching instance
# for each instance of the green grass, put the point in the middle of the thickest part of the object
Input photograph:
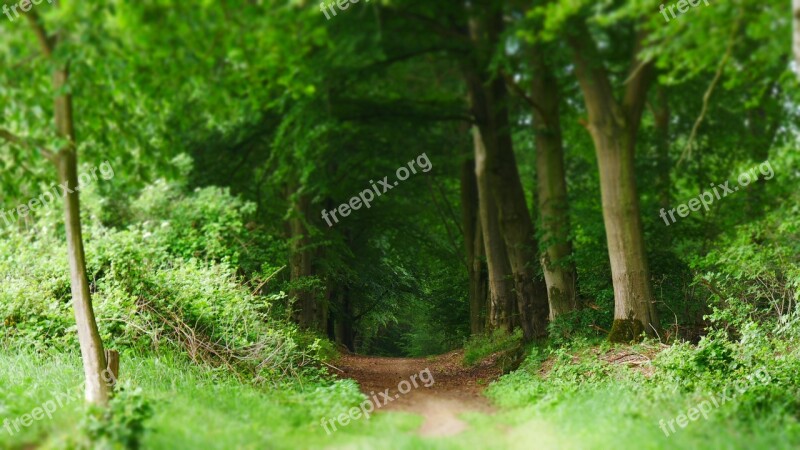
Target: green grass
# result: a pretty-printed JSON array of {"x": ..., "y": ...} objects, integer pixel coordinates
[
  {"x": 198, "y": 408},
  {"x": 587, "y": 403},
  {"x": 581, "y": 405}
]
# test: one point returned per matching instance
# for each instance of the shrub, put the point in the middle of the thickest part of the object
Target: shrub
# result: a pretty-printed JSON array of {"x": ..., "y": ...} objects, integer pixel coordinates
[{"x": 171, "y": 278}]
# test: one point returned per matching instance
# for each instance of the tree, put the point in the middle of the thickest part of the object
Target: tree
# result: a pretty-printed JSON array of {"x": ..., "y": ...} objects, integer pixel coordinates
[
  {"x": 613, "y": 126},
  {"x": 308, "y": 312},
  {"x": 796, "y": 46},
  {"x": 473, "y": 244},
  {"x": 489, "y": 102},
  {"x": 551, "y": 187},
  {"x": 501, "y": 303},
  {"x": 97, "y": 386}
]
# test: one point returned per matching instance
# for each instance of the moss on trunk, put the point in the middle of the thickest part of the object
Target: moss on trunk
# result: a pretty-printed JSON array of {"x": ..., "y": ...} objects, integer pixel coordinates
[{"x": 626, "y": 330}]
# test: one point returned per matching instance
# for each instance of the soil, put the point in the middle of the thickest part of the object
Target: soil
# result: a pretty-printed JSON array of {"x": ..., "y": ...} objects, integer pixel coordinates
[{"x": 455, "y": 389}]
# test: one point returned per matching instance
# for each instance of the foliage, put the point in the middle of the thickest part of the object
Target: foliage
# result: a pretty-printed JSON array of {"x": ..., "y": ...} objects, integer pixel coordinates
[
  {"x": 122, "y": 424},
  {"x": 222, "y": 119},
  {"x": 481, "y": 346},
  {"x": 168, "y": 279}
]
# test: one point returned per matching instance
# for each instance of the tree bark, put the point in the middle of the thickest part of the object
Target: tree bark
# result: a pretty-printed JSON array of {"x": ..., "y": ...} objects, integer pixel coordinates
[
  {"x": 97, "y": 391},
  {"x": 501, "y": 304},
  {"x": 559, "y": 270},
  {"x": 307, "y": 312},
  {"x": 343, "y": 320},
  {"x": 488, "y": 99},
  {"x": 473, "y": 243},
  {"x": 613, "y": 128}
]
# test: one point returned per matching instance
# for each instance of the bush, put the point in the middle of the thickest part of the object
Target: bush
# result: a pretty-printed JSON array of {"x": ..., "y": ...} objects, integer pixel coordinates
[{"x": 171, "y": 278}]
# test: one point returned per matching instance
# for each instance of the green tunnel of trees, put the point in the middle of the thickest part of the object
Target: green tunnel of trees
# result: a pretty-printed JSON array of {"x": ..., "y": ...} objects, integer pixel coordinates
[{"x": 554, "y": 135}]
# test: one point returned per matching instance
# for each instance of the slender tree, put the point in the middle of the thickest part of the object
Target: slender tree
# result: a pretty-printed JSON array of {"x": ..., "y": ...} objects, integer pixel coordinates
[
  {"x": 473, "y": 244},
  {"x": 97, "y": 386},
  {"x": 308, "y": 312},
  {"x": 559, "y": 270},
  {"x": 501, "y": 294},
  {"x": 796, "y": 34}
]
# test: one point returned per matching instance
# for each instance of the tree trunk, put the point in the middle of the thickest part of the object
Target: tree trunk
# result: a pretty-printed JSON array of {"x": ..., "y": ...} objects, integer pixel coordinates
[
  {"x": 613, "y": 128},
  {"x": 796, "y": 33},
  {"x": 343, "y": 321},
  {"x": 501, "y": 295},
  {"x": 516, "y": 225},
  {"x": 489, "y": 105},
  {"x": 92, "y": 352},
  {"x": 306, "y": 311},
  {"x": 473, "y": 243},
  {"x": 634, "y": 311},
  {"x": 559, "y": 270}
]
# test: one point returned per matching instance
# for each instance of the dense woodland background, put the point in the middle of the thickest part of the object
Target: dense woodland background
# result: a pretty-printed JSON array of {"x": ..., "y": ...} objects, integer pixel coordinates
[{"x": 557, "y": 132}]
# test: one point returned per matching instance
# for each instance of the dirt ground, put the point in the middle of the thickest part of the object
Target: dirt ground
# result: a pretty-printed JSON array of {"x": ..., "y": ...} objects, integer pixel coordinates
[{"x": 455, "y": 389}]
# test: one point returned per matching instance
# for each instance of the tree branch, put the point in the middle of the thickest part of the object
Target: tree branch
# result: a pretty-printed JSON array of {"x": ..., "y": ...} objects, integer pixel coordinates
[
  {"x": 687, "y": 150},
  {"x": 14, "y": 139},
  {"x": 592, "y": 76},
  {"x": 636, "y": 85},
  {"x": 517, "y": 89},
  {"x": 47, "y": 43}
]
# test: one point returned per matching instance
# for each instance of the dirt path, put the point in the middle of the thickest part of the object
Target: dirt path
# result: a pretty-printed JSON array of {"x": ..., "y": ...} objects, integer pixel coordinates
[{"x": 454, "y": 390}]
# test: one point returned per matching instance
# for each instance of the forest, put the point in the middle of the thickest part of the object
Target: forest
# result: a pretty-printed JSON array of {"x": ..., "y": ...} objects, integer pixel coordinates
[{"x": 399, "y": 224}]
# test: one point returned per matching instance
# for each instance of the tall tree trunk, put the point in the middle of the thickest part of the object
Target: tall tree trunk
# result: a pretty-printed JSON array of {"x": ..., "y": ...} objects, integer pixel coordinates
[
  {"x": 559, "y": 270},
  {"x": 516, "y": 224},
  {"x": 613, "y": 128},
  {"x": 343, "y": 321},
  {"x": 98, "y": 384},
  {"x": 97, "y": 389},
  {"x": 489, "y": 105},
  {"x": 473, "y": 243},
  {"x": 501, "y": 294},
  {"x": 306, "y": 310}
]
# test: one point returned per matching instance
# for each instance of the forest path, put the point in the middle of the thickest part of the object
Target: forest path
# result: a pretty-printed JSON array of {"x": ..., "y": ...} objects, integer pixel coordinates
[{"x": 455, "y": 389}]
